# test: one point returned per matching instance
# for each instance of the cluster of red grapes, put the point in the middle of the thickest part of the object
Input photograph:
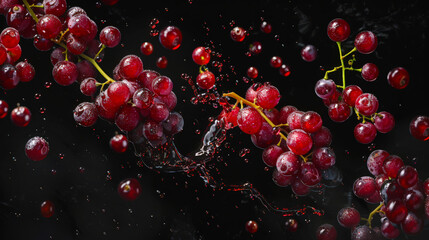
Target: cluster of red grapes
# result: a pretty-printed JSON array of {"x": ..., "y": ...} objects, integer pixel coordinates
[
  {"x": 11, "y": 73},
  {"x": 403, "y": 198},
  {"x": 341, "y": 103},
  {"x": 294, "y": 142}
]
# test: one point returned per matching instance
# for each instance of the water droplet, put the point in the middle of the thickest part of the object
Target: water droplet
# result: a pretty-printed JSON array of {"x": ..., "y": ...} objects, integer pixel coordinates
[
  {"x": 61, "y": 156},
  {"x": 37, "y": 96},
  {"x": 244, "y": 151},
  {"x": 42, "y": 110},
  {"x": 48, "y": 84},
  {"x": 53, "y": 171}
]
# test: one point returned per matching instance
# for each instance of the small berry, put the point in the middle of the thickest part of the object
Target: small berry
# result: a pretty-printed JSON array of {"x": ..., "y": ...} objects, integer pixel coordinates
[
  {"x": 398, "y": 78},
  {"x": 129, "y": 189},
  {"x": 251, "y": 226},
  {"x": 47, "y": 209},
  {"x": 309, "y": 53},
  {"x": 201, "y": 56},
  {"x": 37, "y": 148},
  {"x": 20, "y": 116},
  {"x": 170, "y": 37},
  {"x": 366, "y": 42},
  {"x": 338, "y": 30},
  {"x": 119, "y": 143},
  {"x": 146, "y": 48},
  {"x": 238, "y": 34}
]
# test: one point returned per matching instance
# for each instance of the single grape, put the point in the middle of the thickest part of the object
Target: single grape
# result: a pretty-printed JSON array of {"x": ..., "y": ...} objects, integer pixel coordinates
[
  {"x": 42, "y": 44},
  {"x": 9, "y": 37},
  {"x": 326, "y": 232},
  {"x": 299, "y": 142},
  {"x": 162, "y": 62},
  {"x": 284, "y": 70},
  {"x": 268, "y": 97},
  {"x": 265, "y": 136},
  {"x": 350, "y": 94},
  {"x": 288, "y": 164},
  {"x": 396, "y": 211},
  {"x": 419, "y": 128},
  {"x": 47, "y": 209},
  {"x": 20, "y": 116},
  {"x": 366, "y": 42},
  {"x": 159, "y": 112},
  {"x": 110, "y": 36},
  {"x": 362, "y": 232},
  {"x": 407, "y": 177},
  {"x": 162, "y": 85},
  {"x": 390, "y": 190},
  {"x": 119, "y": 93},
  {"x": 252, "y": 72},
  {"x": 37, "y": 148},
  {"x": 173, "y": 124},
  {"x": 271, "y": 154},
  {"x": 4, "y": 108},
  {"x": 391, "y": 166},
  {"x": 338, "y": 30},
  {"x": 129, "y": 189},
  {"x": 201, "y": 56},
  {"x": 130, "y": 67},
  {"x": 282, "y": 180},
  {"x": 398, "y": 78},
  {"x": 119, "y": 143},
  {"x": 9, "y": 77},
  {"x": 309, "y": 53},
  {"x": 324, "y": 88},
  {"x": 251, "y": 226},
  {"x": 369, "y": 72},
  {"x": 366, "y": 104},
  {"x": 88, "y": 86},
  {"x": 152, "y": 130},
  {"x": 375, "y": 161},
  {"x": 79, "y": 25},
  {"x": 127, "y": 118},
  {"x": 146, "y": 48},
  {"x": 339, "y": 112},
  {"x": 322, "y": 138},
  {"x": 249, "y": 120},
  {"x": 85, "y": 114},
  {"x": 206, "y": 80},
  {"x": 276, "y": 61},
  {"x": 170, "y": 37},
  {"x": 389, "y": 229},
  {"x": 55, "y": 7},
  {"x": 348, "y": 217},
  {"x": 311, "y": 122},
  {"x": 412, "y": 224},
  {"x": 309, "y": 174},
  {"x": 414, "y": 199},
  {"x": 25, "y": 71},
  {"x": 238, "y": 34},
  {"x": 384, "y": 122},
  {"x": 265, "y": 27},
  {"x": 49, "y": 26},
  {"x": 365, "y": 132},
  {"x": 65, "y": 73},
  {"x": 323, "y": 158},
  {"x": 299, "y": 188}
]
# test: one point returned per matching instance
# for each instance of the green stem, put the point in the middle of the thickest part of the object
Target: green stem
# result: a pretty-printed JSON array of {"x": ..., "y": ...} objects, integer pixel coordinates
[
  {"x": 342, "y": 64},
  {"x": 354, "y": 69},
  {"x": 371, "y": 215},
  {"x": 329, "y": 71},
  {"x": 351, "y": 51},
  {"x": 33, "y": 15},
  {"x": 101, "y": 49}
]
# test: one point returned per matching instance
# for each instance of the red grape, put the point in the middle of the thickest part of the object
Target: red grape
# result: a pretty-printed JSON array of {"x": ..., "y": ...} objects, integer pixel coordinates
[
  {"x": 119, "y": 143},
  {"x": 366, "y": 42},
  {"x": 170, "y": 37},
  {"x": 419, "y": 127},
  {"x": 129, "y": 189},
  {"x": 249, "y": 120},
  {"x": 338, "y": 30},
  {"x": 398, "y": 78},
  {"x": 238, "y": 34},
  {"x": 201, "y": 56},
  {"x": 37, "y": 148}
]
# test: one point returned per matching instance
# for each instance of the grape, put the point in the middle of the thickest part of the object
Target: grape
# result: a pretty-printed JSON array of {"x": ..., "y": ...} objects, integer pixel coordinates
[
  {"x": 348, "y": 217},
  {"x": 389, "y": 230},
  {"x": 129, "y": 189},
  {"x": 152, "y": 130},
  {"x": 206, "y": 80},
  {"x": 284, "y": 70},
  {"x": 390, "y": 190},
  {"x": 311, "y": 122},
  {"x": 119, "y": 143},
  {"x": 338, "y": 30},
  {"x": 159, "y": 112},
  {"x": 365, "y": 132},
  {"x": 398, "y": 78},
  {"x": 299, "y": 188},
  {"x": 369, "y": 72},
  {"x": 271, "y": 154},
  {"x": 299, "y": 142},
  {"x": 288, "y": 164},
  {"x": 265, "y": 27},
  {"x": 110, "y": 36},
  {"x": 362, "y": 232},
  {"x": 407, "y": 177},
  {"x": 285, "y": 112},
  {"x": 249, "y": 120},
  {"x": 9, "y": 37},
  {"x": 238, "y": 34},
  {"x": 325, "y": 88},
  {"x": 268, "y": 97},
  {"x": 375, "y": 161},
  {"x": 201, "y": 56},
  {"x": 173, "y": 124},
  {"x": 291, "y": 225},
  {"x": 252, "y": 72},
  {"x": 85, "y": 114},
  {"x": 47, "y": 209},
  {"x": 251, "y": 227},
  {"x": 265, "y": 136},
  {"x": 326, "y": 232},
  {"x": 282, "y": 180},
  {"x": 9, "y": 77},
  {"x": 119, "y": 93},
  {"x": 25, "y": 71},
  {"x": 170, "y": 37},
  {"x": 294, "y": 120},
  {"x": 396, "y": 211},
  {"x": 322, "y": 138},
  {"x": 414, "y": 199},
  {"x": 162, "y": 62},
  {"x": 419, "y": 128},
  {"x": 42, "y": 44},
  {"x": 366, "y": 104},
  {"x": 323, "y": 158},
  {"x": 384, "y": 122},
  {"x": 391, "y": 166},
  {"x": 4, "y": 108},
  {"x": 309, "y": 53},
  {"x": 350, "y": 94},
  {"x": 55, "y": 7},
  {"x": 162, "y": 85},
  {"x": 130, "y": 67},
  {"x": 339, "y": 112},
  {"x": 366, "y": 42},
  {"x": 146, "y": 48},
  {"x": 276, "y": 61},
  {"x": 364, "y": 187},
  {"x": 412, "y": 224},
  {"x": 127, "y": 118},
  {"x": 79, "y": 25},
  {"x": 20, "y": 116},
  {"x": 309, "y": 174},
  {"x": 37, "y": 148},
  {"x": 49, "y": 26},
  {"x": 143, "y": 98},
  {"x": 65, "y": 73}
]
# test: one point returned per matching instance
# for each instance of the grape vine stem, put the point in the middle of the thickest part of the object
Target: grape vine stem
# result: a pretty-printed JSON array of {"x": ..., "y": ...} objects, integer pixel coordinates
[{"x": 371, "y": 215}]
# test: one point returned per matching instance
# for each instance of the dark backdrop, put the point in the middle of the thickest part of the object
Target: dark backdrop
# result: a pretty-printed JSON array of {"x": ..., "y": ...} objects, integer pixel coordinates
[{"x": 81, "y": 173}]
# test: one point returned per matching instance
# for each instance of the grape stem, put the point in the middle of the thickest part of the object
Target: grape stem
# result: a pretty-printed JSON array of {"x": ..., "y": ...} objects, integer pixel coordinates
[
  {"x": 33, "y": 15},
  {"x": 343, "y": 70},
  {"x": 371, "y": 215},
  {"x": 351, "y": 51}
]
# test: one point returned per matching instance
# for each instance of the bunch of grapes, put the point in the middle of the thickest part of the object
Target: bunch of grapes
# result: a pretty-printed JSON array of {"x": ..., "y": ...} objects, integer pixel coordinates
[
  {"x": 294, "y": 142},
  {"x": 350, "y": 98},
  {"x": 11, "y": 73},
  {"x": 402, "y": 197}
]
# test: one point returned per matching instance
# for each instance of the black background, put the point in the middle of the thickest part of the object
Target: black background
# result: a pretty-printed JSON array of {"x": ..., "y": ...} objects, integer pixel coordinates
[{"x": 81, "y": 173}]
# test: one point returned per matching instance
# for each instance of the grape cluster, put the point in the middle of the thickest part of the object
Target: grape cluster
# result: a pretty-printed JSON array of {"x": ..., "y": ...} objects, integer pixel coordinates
[
  {"x": 403, "y": 198},
  {"x": 294, "y": 142},
  {"x": 350, "y": 98},
  {"x": 11, "y": 72}
]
